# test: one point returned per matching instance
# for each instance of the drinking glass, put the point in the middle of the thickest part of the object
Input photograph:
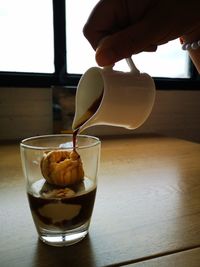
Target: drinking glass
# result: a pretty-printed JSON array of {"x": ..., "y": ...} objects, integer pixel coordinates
[{"x": 63, "y": 218}]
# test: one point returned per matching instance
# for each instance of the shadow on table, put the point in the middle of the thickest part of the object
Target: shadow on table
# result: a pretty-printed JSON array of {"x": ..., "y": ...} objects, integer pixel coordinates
[{"x": 80, "y": 254}]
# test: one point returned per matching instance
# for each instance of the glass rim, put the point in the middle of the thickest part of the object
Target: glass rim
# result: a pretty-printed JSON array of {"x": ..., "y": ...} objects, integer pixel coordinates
[{"x": 35, "y": 147}]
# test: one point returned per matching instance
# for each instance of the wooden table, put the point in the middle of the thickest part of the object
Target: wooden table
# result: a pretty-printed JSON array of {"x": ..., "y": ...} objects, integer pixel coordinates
[{"x": 147, "y": 210}]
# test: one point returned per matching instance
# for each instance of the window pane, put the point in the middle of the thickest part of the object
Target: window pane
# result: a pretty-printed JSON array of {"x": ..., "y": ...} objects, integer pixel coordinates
[
  {"x": 168, "y": 61},
  {"x": 26, "y": 36}
]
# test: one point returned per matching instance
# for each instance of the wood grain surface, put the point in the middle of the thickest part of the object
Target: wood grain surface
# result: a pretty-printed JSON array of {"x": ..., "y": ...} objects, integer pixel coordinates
[
  {"x": 189, "y": 258},
  {"x": 147, "y": 206}
]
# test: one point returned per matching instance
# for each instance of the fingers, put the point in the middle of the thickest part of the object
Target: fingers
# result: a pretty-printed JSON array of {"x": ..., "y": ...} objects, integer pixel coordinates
[
  {"x": 151, "y": 48},
  {"x": 115, "y": 36},
  {"x": 123, "y": 44},
  {"x": 100, "y": 22},
  {"x": 107, "y": 56}
]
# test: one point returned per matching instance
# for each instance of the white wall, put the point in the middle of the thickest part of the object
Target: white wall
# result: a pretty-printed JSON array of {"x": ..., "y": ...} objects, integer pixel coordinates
[{"x": 26, "y": 112}]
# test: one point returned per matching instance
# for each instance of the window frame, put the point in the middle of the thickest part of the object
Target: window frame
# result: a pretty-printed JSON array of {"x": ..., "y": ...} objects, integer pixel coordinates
[{"x": 61, "y": 78}]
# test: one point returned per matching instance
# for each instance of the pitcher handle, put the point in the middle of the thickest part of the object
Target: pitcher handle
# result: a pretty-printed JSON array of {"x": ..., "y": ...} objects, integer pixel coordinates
[
  {"x": 130, "y": 63},
  {"x": 132, "y": 66}
]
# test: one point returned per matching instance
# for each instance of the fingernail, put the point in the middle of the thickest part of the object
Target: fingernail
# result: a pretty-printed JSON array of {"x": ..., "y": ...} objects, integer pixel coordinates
[{"x": 105, "y": 57}]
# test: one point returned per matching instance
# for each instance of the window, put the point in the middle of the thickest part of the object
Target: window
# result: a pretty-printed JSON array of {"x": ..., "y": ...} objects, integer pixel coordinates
[
  {"x": 42, "y": 45},
  {"x": 26, "y": 36}
]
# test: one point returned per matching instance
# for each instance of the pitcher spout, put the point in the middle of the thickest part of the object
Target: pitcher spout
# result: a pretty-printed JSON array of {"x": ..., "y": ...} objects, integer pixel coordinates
[{"x": 88, "y": 99}]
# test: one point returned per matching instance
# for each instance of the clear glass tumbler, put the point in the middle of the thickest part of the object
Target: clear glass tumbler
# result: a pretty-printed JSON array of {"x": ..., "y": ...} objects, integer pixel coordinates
[{"x": 61, "y": 214}]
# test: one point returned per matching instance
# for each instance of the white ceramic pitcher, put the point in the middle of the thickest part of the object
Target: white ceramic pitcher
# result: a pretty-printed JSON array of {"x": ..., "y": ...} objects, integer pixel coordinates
[{"x": 126, "y": 98}]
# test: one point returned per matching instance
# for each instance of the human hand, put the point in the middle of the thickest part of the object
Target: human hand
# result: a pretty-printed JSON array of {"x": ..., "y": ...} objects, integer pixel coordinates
[{"x": 116, "y": 29}]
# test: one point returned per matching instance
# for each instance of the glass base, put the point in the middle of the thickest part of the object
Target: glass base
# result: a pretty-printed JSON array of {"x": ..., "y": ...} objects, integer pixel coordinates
[{"x": 65, "y": 238}]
